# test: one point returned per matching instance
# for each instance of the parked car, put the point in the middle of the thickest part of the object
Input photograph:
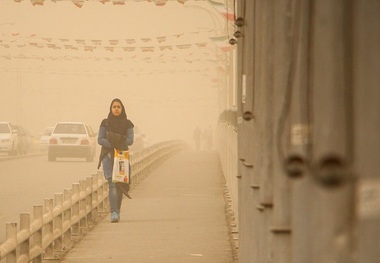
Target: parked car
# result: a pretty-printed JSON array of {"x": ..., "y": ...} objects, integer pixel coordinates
[
  {"x": 24, "y": 142},
  {"x": 45, "y": 137},
  {"x": 72, "y": 139},
  {"x": 8, "y": 139}
]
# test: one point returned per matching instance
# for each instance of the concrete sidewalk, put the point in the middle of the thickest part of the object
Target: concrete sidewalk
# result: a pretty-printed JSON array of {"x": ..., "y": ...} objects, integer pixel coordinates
[{"x": 177, "y": 214}]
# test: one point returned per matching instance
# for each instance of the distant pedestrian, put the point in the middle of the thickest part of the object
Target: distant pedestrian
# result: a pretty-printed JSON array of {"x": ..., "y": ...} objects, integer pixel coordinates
[
  {"x": 197, "y": 136},
  {"x": 115, "y": 132},
  {"x": 208, "y": 139}
]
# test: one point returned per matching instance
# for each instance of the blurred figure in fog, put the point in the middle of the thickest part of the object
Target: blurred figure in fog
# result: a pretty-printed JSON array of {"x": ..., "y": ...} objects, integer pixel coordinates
[
  {"x": 115, "y": 132},
  {"x": 197, "y": 138},
  {"x": 207, "y": 139}
]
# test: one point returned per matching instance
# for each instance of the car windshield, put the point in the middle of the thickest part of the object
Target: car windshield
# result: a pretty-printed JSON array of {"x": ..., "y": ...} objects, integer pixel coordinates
[
  {"x": 48, "y": 132},
  {"x": 70, "y": 128},
  {"x": 4, "y": 128}
]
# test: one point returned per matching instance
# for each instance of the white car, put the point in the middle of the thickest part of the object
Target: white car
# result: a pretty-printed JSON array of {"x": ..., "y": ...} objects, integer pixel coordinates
[
  {"x": 45, "y": 137},
  {"x": 72, "y": 139},
  {"x": 8, "y": 139}
]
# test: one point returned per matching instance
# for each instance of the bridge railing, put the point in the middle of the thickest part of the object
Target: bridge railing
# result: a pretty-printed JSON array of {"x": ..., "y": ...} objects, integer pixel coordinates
[
  {"x": 227, "y": 149},
  {"x": 55, "y": 226}
]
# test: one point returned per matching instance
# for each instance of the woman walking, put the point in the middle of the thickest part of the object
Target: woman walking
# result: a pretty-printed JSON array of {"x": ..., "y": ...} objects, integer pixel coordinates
[{"x": 115, "y": 132}]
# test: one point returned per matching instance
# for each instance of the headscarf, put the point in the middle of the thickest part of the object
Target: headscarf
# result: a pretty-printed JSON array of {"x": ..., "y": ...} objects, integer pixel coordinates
[{"x": 119, "y": 124}]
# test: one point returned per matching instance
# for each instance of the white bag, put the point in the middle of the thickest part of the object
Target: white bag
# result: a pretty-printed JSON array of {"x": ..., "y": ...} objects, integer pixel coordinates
[{"x": 120, "y": 173}]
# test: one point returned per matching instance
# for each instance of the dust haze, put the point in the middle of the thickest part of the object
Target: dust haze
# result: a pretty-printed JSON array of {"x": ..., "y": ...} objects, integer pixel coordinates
[{"x": 60, "y": 62}]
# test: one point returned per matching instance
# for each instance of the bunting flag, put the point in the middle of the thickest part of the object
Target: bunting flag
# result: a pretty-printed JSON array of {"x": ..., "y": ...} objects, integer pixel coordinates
[
  {"x": 204, "y": 44},
  {"x": 161, "y": 39},
  {"x": 89, "y": 48},
  {"x": 147, "y": 49},
  {"x": 96, "y": 42},
  {"x": 129, "y": 49},
  {"x": 185, "y": 46},
  {"x": 53, "y": 46},
  {"x": 118, "y": 2},
  {"x": 78, "y": 3},
  {"x": 160, "y": 2},
  {"x": 68, "y": 46},
  {"x": 130, "y": 41},
  {"x": 225, "y": 11},
  {"x": 113, "y": 42},
  {"x": 80, "y": 41},
  {"x": 37, "y": 2},
  {"x": 222, "y": 43},
  {"x": 166, "y": 48}
]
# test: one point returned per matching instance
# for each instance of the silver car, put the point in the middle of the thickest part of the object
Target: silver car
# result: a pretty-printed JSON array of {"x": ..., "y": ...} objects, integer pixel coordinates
[
  {"x": 72, "y": 139},
  {"x": 9, "y": 142}
]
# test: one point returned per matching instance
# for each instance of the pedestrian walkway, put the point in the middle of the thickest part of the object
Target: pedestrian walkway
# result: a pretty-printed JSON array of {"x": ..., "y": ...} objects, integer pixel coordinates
[{"x": 177, "y": 214}]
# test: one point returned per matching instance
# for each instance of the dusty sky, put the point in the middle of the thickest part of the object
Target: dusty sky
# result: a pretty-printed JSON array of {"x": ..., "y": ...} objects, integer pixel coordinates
[{"x": 167, "y": 92}]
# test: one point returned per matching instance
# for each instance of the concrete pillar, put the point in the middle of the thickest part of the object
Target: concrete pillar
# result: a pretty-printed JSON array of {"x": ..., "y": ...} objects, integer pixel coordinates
[
  {"x": 366, "y": 79},
  {"x": 330, "y": 69}
]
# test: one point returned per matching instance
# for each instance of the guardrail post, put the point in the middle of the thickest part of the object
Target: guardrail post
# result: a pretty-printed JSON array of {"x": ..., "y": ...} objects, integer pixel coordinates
[
  {"x": 89, "y": 207},
  {"x": 66, "y": 218},
  {"x": 103, "y": 207},
  {"x": 47, "y": 229},
  {"x": 25, "y": 228},
  {"x": 75, "y": 197},
  {"x": 82, "y": 205},
  {"x": 58, "y": 222},
  {"x": 37, "y": 236},
  {"x": 11, "y": 233},
  {"x": 94, "y": 196}
]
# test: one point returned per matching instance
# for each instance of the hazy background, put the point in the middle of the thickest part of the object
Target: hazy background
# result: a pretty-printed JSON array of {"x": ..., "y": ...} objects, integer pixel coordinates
[{"x": 167, "y": 91}]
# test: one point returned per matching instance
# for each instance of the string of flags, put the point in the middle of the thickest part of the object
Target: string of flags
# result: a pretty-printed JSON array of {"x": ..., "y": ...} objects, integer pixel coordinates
[
  {"x": 189, "y": 58},
  {"x": 222, "y": 6},
  {"x": 125, "y": 45},
  {"x": 80, "y": 3},
  {"x": 206, "y": 70}
]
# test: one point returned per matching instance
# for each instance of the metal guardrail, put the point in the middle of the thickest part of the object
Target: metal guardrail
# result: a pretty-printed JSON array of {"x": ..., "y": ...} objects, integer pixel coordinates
[
  {"x": 228, "y": 149},
  {"x": 55, "y": 226}
]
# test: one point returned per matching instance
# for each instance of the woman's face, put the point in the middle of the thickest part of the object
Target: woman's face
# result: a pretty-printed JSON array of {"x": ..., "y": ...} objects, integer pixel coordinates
[{"x": 116, "y": 108}]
